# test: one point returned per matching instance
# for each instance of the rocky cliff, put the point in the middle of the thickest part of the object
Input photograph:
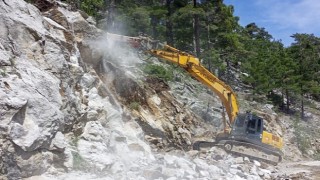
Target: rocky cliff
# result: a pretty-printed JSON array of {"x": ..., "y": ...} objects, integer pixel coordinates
[{"x": 75, "y": 105}]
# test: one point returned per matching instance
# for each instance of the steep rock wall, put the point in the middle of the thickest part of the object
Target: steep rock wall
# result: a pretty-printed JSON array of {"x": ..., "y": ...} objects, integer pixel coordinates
[{"x": 42, "y": 85}]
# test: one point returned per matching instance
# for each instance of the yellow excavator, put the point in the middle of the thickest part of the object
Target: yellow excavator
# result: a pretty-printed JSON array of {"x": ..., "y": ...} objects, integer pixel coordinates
[{"x": 243, "y": 133}]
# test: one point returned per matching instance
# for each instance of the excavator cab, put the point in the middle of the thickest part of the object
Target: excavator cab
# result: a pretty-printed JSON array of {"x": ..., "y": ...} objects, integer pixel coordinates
[{"x": 247, "y": 127}]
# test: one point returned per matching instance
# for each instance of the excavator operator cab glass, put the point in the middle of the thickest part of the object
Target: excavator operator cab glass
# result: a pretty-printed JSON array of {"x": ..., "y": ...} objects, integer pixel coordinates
[
  {"x": 251, "y": 127},
  {"x": 259, "y": 125},
  {"x": 240, "y": 120},
  {"x": 255, "y": 125}
]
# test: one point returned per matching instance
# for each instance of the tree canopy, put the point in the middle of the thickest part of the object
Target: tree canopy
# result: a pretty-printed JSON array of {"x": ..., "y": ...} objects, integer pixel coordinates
[{"x": 210, "y": 30}]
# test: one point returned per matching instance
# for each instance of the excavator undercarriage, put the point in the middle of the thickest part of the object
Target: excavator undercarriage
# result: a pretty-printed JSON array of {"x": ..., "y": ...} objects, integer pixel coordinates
[
  {"x": 246, "y": 139},
  {"x": 242, "y": 148}
]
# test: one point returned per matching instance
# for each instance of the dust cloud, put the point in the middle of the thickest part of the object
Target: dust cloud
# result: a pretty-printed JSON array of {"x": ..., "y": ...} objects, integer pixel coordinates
[{"x": 117, "y": 50}]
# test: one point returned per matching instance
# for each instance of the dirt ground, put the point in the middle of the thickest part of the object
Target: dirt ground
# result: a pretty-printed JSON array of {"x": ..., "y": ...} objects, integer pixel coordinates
[{"x": 299, "y": 170}]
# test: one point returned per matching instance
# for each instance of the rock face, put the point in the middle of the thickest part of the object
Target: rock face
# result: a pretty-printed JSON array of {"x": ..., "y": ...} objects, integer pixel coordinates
[{"x": 40, "y": 85}]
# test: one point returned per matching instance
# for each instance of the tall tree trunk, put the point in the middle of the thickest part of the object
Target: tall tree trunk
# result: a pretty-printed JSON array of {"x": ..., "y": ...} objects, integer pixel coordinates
[
  {"x": 228, "y": 71},
  {"x": 287, "y": 103},
  {"x": 154, "y": 22},
  {"x": 196, "y": 31},
  {"x": 169, "y": 25},
  {"x": 208, "y": 46},
  {"x": 301, "y": 85},
  {"x": 111, "y": 14},
  {"x": 282, "y": 107},
  {"x": 302, "y": 106}
]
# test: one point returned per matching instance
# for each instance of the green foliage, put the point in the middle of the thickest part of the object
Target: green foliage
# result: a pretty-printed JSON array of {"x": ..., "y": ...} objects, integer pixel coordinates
[
  {"x": 262, "y": 58},
  {"x": 78, "y": 162},
  {"x": 316, "y": 156},
  {"x": 3, "y": 72},
  {"x": 12, "y": 61},
  {"x": 183, "y": 37},
  {"x": 256, "y": 32},
  {"x": 158, "y": 15},
  {"x": 305, "y": 54},
  {"x": 158, "y": 71},
  {"x": 140, "y": 20},
  {"x": 270, "y": 66},
  {"x": 302, "y": 138},
  {"x": 212, "y": 60},
  {"x": 134, "y": 105},
  {"x": 92, "y": 7},
  {"x": 281, "y": 73},
  {"x": 276, "y": 99},
  {"x": 135, "y": 21}
]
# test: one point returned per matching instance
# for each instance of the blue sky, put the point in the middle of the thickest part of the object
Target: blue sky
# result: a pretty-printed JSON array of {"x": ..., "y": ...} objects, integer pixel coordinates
[{"x": 281, "y": 18}]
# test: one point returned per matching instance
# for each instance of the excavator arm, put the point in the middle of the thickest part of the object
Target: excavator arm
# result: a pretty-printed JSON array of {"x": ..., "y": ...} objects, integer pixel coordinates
[{"x": 192, "y": 65}]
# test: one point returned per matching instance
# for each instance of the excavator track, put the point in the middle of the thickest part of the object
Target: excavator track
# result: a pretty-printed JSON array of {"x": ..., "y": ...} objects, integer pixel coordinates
[
  {"x": 240, "y": 148},
  {"x": 253, "y": 151},
  {"x": 203, "y": 144}
]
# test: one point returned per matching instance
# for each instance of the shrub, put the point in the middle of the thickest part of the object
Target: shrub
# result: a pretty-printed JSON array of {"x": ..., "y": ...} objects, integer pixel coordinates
[
  {"x": 92, "y": 7},
  {"x": 3, "y": 72},
  {"x": 303, "y": 140},
  {"x": 78, "y": 162},
  {"x": 134, "y": 105},
  {"x": 158, "y": 71}
]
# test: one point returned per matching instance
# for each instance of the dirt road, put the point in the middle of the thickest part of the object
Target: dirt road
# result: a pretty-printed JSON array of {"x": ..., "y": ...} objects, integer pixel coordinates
[{"x": 299, "y": 170}]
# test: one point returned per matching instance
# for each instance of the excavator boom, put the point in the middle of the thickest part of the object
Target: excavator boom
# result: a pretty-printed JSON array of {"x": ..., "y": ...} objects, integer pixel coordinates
[{"x": 192, "y": 64}]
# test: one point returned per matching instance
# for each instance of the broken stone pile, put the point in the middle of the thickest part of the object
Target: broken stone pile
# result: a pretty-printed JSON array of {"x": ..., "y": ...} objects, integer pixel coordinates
[{"x": 211, "y": 164}]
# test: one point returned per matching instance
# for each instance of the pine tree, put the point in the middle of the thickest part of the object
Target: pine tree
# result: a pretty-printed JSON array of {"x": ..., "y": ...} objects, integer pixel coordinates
[
  {"x": 260, "y": 58},
  {"x": 169, "y": 24},
  {"x": 305, "y": 52},
  {"x": 196, "y": 30}
]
